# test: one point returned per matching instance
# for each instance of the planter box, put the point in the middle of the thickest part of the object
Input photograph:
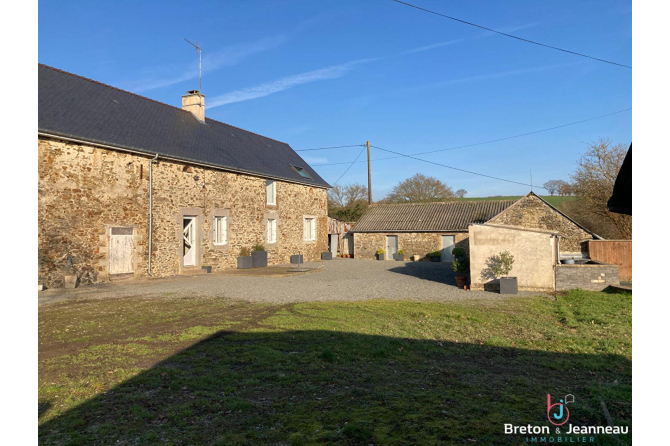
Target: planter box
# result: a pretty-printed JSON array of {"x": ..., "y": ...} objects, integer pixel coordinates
[
  {"x": 71, "y": 282},
  {"x": 259, "y": 259},
  {"x": 509, "y": 285},
  {"x": 244, "y": 262},
  {"x": 326, "y": 256},
  {"x": 295, "y": 259},
  {"x": 400, "y": 257},
  {"x": 381, "y": 256},
  {"x": 208, "y": 269}
]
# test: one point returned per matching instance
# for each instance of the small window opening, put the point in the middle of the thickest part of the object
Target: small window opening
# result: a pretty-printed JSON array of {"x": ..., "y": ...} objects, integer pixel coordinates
[{"x": 302, "y": 172}]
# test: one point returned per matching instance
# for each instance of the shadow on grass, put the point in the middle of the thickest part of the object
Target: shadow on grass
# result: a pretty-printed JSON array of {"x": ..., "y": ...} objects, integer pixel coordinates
[
  {"x": 326, "y": 387},
  {"x": 434, "y": 271}
]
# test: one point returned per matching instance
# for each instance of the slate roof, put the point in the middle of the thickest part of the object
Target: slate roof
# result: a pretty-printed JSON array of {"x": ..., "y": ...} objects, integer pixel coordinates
[
  {"x": 80, "y": 108},
  {"x": 454, "y": 216}
]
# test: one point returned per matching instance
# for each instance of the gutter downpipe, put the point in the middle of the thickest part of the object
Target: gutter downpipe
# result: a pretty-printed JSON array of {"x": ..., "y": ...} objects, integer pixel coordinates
[{"x": 151, "y": 208}]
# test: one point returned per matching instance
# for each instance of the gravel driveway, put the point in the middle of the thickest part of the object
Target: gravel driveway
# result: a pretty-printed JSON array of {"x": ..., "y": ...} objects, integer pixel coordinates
[{"x": 338, "y": 279}]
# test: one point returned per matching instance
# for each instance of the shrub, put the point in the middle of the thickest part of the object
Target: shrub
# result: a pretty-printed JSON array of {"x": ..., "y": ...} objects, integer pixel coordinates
[
  {"x": 436, "y": 253},
  {"x": 259, "y": 247},
  {"x": 380, "y": 252},
  {"x": 458, "y": 252},
  {"x": 501, "y": 265},
  {"x": 401, "y": 251},
  {"x": 460, "y": 266},
  {"x": 245, "y": 252}
]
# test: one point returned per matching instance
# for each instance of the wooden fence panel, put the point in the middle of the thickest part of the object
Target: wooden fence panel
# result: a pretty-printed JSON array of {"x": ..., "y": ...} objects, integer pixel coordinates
[{"x": 616, "y": 252}]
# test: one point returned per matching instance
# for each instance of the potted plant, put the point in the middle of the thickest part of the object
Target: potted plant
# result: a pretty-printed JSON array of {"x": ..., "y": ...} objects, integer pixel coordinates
[
  {"x": 401, "y": 255},
  {"x": 501, "y": 267},
  {"x": 244, "y": 259},
  {"x": 435, "y": 256},
  {"x": 381, "y": 254},
  {"x": 461, "y": 266},
  {"x": 458, "y": 253},
  {"x": 259, "y": 256}
]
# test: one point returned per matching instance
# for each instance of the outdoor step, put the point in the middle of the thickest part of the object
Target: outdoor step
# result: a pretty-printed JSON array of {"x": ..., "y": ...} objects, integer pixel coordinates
[{"x": 195, "y": 271}]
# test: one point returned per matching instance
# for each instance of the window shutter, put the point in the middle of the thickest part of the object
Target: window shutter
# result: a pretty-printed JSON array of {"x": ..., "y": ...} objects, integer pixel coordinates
[
  {"x": 305, "y": 234},
  {"x": 312, "y": 235}
]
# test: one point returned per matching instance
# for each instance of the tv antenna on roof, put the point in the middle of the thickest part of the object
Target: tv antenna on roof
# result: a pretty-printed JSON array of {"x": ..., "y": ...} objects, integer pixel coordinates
[{"x": 199, "y": 50}]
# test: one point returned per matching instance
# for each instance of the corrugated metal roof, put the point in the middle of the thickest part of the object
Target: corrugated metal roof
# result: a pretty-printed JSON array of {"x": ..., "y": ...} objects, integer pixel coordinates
[
  {"x": 452, "y": 216},
  {"x": 75, "y": 107}
]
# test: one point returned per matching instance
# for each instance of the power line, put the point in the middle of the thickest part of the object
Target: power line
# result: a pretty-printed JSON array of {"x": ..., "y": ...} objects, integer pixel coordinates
[
  {"x": 329, "y": 148},
  {"x": 451, "y": 167},
  {"x": 512, "y": 36},
  {"x": 495, "y": 140},
  {"x": 352, "y": 163}
]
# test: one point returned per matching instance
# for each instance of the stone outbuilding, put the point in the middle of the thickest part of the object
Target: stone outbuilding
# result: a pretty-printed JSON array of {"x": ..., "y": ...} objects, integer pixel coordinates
[
  {"x": 420, "y": 228},
  {"x": 132, "y": 187}
]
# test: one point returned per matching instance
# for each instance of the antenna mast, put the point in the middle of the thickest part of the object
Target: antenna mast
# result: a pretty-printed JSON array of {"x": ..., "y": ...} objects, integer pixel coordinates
[{"x": 199, "y": 50}]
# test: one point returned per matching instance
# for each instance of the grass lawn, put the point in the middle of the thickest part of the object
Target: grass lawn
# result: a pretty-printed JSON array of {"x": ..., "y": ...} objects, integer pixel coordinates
[
  {"x": 210, "y": 371},
  {"x": 554, "y": 200}
]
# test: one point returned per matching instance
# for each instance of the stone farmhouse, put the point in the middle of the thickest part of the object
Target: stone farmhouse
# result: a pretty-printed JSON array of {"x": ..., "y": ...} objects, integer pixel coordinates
[
  {"x": 132, "y": 187},
  {"x": 420, "y": 228}
]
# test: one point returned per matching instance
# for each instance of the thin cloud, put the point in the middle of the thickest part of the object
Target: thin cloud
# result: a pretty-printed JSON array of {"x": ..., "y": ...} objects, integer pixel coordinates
[
  {"x": 211, "y": 61},
  {"x": 499, "y": 74},
  {"x": 333, "y": 72},
  {"x": 429, "y": 47},
  {"x": 266, "y": 89},
  {"x": 315, "y": 159}
]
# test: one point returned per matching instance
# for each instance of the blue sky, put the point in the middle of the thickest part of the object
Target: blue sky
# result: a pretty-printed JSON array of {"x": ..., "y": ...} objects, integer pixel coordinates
[{"x": 319, "y": 74}]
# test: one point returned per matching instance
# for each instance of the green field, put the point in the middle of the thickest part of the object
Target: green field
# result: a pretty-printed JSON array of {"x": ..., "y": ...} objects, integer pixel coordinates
[
  {"x": 555, "y": 200},
  {"x": 209, "y": 371}
]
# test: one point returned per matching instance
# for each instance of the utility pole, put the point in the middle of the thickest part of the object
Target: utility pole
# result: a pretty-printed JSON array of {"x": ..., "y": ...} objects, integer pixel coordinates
[{"x": 369, "y": 177}]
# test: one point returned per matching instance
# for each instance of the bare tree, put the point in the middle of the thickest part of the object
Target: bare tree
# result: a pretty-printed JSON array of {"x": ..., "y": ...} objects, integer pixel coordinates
[
  {"x": 347, "y": 202},
  {"x": 420, "y": 189},
  {"x": 460, "y": 193},
  {"x": 593, "y": 183},
  {"x": 564, "y": 188},
  {"x": 551, "y": 186}
]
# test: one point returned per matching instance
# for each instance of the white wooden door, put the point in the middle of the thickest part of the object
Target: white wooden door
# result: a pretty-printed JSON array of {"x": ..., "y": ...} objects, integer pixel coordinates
[
  {"x": 448, "y": 244},
  {"x": 333, "y": 243},
  {"x": 121, "y": 247},
  {"x": 189, "y": 241}
]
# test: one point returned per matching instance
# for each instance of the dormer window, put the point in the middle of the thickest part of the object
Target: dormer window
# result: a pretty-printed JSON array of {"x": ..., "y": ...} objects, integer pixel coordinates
[
  {"x": 271, "y": 192},
  {"x": 302, "y": 172}
]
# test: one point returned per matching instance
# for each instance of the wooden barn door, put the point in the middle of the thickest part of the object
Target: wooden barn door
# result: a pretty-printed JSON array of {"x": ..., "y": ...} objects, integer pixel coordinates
[{"x": 121, "y": 247}]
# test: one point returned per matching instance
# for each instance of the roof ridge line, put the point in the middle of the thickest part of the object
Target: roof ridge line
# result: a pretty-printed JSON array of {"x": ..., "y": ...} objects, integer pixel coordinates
[
  {"x": 153, "y": 100},
  {"x": 442, "y": 202}
]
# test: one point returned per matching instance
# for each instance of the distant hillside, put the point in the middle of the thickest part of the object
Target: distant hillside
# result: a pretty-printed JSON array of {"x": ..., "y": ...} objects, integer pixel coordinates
[{"x": 555, "y": 201}]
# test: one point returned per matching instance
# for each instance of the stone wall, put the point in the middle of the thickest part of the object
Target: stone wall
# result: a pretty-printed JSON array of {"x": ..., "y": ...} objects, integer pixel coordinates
[
  {"x": 83, "y": 191},
  {"x": 532, "y": 212},
  {"x": 366, "y": 244},
  {"x": 596, "y": 277}
]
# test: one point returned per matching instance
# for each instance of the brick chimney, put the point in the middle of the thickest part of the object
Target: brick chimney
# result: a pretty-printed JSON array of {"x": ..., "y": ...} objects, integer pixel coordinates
[{"x": 194, "y": 102}]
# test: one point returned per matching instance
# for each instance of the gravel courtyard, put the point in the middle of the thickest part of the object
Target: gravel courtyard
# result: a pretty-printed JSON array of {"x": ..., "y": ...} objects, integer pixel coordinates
[{"x": 338, "y": 279}]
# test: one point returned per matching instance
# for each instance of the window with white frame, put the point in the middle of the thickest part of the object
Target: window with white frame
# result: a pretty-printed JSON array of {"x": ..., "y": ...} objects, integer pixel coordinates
[
  {"x": 220, "y": 230},
  {"x": 310, "y": 229},
  {"x": 271, "y": 192},
  {"x": 272, "y": 230}
]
